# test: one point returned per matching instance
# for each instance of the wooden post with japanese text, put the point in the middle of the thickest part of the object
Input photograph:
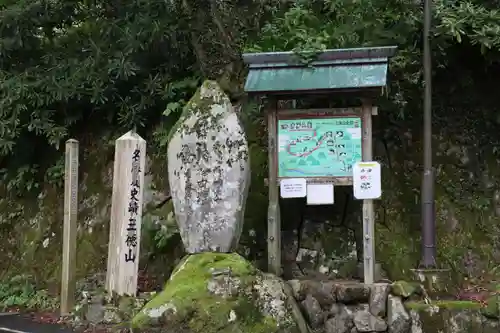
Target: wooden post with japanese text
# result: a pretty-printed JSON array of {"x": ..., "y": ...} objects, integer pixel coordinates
[
  {"x": 69, "y": 228},
  {"x": 126, "y": 215},
  {"x": 368, "y": 209}
]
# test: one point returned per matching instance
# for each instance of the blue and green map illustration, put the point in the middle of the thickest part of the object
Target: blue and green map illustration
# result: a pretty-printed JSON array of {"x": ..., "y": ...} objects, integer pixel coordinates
[{"x": 318, "y": 147}]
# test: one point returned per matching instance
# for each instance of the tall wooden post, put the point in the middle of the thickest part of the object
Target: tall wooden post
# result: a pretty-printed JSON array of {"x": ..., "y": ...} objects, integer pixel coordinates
[
  {"x": 273, "y": 212},
  {"x": 70, "y": 227},
  {"x": 368, "y": 210},
  {"x": 126, "y": 215}
]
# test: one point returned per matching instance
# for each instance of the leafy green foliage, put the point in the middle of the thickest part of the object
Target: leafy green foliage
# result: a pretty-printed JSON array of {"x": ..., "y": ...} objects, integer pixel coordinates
[
  {"x": 19, "y": 292},
  {"x": 317, "y": 25},
  {"x": 66, "y": 67}
]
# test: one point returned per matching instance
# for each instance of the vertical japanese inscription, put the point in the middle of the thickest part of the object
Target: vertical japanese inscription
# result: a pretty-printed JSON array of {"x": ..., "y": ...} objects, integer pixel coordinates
[
  {"x": 133, "y": 207},
  {"x": 70, "y": 226}
]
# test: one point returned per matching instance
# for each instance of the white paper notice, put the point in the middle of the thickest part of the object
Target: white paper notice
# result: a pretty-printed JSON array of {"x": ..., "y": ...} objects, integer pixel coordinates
[
  {"x": 320, "y": 194},
  {"x": 355, "y": 132},
  {"x": 293, "y": 188},
  {"x": 367, "y": 180}
]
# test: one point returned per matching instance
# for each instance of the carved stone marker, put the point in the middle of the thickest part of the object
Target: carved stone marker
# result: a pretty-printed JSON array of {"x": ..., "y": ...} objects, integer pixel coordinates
[
  {"x": 209, "y": 172},
  {"x": 126, "y": 214}
]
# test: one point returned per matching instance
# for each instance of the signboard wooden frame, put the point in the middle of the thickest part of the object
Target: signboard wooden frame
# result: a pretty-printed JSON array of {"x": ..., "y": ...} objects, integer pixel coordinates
[
  {"x": 273, "y": 214},
  {"x": 300, "y": 114}
]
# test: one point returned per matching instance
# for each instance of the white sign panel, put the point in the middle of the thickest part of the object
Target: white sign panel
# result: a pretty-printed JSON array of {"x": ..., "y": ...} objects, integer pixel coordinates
[
  {"x": 293, "y": 188},
  {"x": 367, "y": 180},
  {"x": 355, "y": 132},
  {"x": 320, "y": 194}
]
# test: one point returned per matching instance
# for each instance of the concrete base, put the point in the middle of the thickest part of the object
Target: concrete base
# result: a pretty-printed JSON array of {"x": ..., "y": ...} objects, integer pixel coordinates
[{"x": 435, "y": 281}]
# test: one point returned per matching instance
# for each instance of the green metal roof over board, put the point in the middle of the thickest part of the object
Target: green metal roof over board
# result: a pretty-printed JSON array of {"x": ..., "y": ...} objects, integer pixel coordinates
[{"x": 281, "y": 72}]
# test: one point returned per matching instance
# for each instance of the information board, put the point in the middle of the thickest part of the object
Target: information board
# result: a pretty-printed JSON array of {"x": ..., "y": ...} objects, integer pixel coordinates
[{"x": 318, "y": 147}]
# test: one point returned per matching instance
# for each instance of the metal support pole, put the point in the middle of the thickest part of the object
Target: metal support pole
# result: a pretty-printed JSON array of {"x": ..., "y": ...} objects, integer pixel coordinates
[{"x": 427, "y": 193}]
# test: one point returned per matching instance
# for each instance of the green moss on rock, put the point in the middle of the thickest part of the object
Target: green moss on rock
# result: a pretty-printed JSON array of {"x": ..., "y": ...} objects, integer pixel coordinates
[
  {"x": 217, "y": 292},
  {"x": 405, "y": 289}
]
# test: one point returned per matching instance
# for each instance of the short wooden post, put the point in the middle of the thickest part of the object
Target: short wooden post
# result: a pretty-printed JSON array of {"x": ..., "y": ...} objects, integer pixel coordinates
[
  {"x": 368, "y": 211},
  {"x": 70, "y": 226},
  {"x": 273, "y": 212},
  {"x": 126, "y": 215}
]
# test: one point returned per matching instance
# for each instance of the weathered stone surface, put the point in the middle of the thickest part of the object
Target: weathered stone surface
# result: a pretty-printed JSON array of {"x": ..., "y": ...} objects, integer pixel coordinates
[
  {"x": 322, "y": 291},
  {"x": 352, "y": 292},
  {"x": 335, "y": 309},
  {"x": 341, "y": 323},
  {"x": 416, "y": 323},
  {"x": 378, "y": 299},
  {"x": 313, "y": 311},
  {"x": 209, "y": 172},
  {"x": 398, "y": 319},
  {"x": 326, "y": 294},
  {"x": 461, "y": 320},
  {"x": 295, "y": 285},
  {"x": 364, "y": 321}
]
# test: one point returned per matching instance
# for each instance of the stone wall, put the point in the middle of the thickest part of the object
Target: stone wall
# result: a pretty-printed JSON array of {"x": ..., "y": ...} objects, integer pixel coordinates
[{"x": 351, "y": 307}]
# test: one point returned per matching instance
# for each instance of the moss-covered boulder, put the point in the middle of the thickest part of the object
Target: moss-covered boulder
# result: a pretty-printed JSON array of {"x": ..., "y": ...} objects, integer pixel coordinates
[
  {"x": 217, "y": 293},
  {"x": 406, "y": 289}
]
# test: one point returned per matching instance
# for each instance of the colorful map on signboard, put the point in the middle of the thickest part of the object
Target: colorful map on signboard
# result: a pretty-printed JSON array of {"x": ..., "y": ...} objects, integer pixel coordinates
[{"x": 318, "y": 147}]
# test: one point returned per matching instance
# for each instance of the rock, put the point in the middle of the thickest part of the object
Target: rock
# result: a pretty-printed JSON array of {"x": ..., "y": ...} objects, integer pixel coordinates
[
  {"x": 364, "y": 321},
  {"x": 398, "y": 319},
  {"x": 352, "y": 292},
  {"x": 296, "y": 289},
  {"x": 416, "y": 324},
  {"x": 341, "y": 323},
  {"x": 464, "y": 320},
  {"x": 322, "y": 291},
  {"x": 209, "y": 172},
  {"x": 224, "y": 286},
  {"x": 352, "y": 309},
  {"x": 405, "y": 289},
  {"x": 334, "y": 310},
  {"x": 326, "y": 294},
  {"x": 313, "y": 311},
  {"x": 194, "y": 299},
  {"x": 378, "y": 299}
]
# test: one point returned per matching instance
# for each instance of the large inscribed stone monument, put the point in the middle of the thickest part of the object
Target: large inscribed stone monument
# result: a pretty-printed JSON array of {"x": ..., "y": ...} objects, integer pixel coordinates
[{"x": 209, "y": 172}]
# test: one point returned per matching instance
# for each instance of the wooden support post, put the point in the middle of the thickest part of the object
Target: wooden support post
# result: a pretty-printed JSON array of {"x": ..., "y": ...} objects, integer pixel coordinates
[
  {"x": 70, "y": 226},
  {"x": 126, "y": 215},
  {"x": 273, "y": 212},
  {"x": 368, "y": 210}
]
